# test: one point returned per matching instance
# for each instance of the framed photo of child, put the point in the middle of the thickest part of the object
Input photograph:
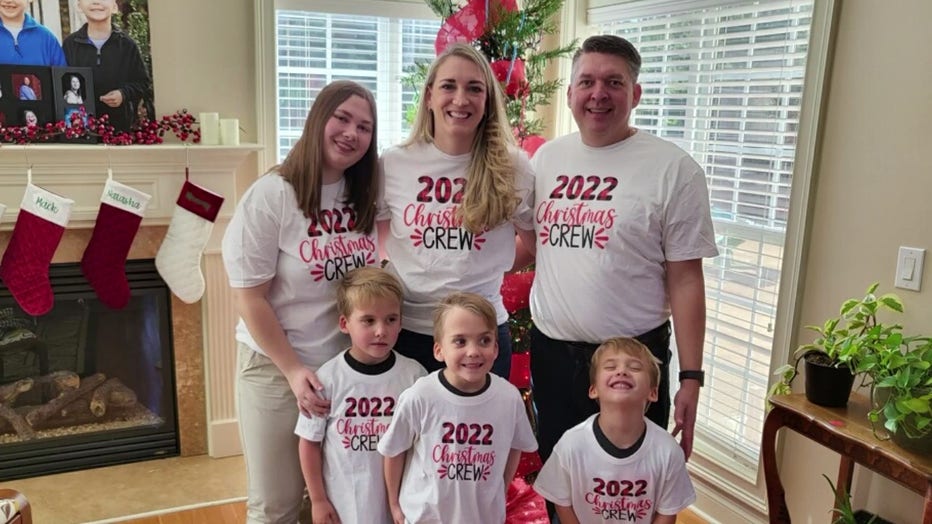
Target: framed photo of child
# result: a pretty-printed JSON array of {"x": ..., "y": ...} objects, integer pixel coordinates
[
  {"x": 26, "y": 95},
  {"x": 74, "y": 88}
]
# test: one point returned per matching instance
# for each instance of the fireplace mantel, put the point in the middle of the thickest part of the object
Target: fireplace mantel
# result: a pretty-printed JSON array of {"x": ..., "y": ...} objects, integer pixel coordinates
[
  {"x": 206, "y": 367},
  {"x": 79, "y": 171}
]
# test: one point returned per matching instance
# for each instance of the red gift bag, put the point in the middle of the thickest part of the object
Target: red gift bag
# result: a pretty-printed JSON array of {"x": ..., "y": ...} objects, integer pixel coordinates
[{"x": 523, "y": 505}]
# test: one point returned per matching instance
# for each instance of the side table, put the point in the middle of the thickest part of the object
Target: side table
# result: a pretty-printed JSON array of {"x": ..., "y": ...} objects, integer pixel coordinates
[{"x": 846, "y": 431}]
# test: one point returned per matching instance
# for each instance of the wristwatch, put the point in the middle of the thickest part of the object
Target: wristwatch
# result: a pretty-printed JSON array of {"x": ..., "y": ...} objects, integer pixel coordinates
[{"x": 693, "y": 374}]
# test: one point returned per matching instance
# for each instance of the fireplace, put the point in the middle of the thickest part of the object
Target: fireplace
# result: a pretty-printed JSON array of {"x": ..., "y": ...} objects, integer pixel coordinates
[{"x": 84, "y": 385}]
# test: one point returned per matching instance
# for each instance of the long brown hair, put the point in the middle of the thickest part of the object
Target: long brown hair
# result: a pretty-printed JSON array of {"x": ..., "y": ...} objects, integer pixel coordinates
[
  {"x": 304, "y": 166},
  {"x": 490, "y": 198}
]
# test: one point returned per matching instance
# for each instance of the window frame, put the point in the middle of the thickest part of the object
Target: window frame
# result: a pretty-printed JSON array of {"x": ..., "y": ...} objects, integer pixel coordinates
[
  {"x": 724, "y": 495},
  {"x": 266, "y": 59}
]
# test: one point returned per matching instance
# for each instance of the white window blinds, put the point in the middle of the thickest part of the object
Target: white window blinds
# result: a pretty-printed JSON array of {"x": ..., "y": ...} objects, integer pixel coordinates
[
  {"x": 723, "y": 80},
  {"x": 314, "y": 49}
]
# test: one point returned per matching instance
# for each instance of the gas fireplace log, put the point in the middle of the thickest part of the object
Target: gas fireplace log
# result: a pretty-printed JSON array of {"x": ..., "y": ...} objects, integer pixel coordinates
[
  {"x": 58, "y": 382},
  {"x": 112, "y": 393},
  {"x": 78, "y": 407},
  {"x": 75, "y": 414},
  {"x": 17, "y": 421},
  {"x": 88, "y": 384},
  {"x": 9, "y": 392}
]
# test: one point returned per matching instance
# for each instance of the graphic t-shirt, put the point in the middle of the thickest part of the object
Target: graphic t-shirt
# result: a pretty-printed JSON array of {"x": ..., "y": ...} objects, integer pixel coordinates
[
  {"x": 363, "y": 400},
  {"x": 457, "y": 449},
  {"x": 429, "y": 251},
  {"x": 607, "y": 219},
  {"x": 269, "y": 238},
  {"x": 583, "y": 473}
]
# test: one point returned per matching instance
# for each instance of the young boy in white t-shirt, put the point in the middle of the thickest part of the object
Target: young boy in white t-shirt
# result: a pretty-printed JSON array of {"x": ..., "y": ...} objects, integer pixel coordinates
[
  {"x": 618, "y": 466},
  {"x": 457, "y": 435},
  {"x": 341, "y": 466}
]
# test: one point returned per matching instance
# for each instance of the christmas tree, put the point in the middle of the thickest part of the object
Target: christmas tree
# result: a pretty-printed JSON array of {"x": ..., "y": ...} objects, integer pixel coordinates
[{"x": 511, "y": 38}]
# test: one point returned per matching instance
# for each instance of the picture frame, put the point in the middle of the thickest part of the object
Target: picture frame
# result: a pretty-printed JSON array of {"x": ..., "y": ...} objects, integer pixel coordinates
[
  {"x": 63, "y": 17},
  {"x": 74, "y": 90},
  {"x": 27, "y": 95}
]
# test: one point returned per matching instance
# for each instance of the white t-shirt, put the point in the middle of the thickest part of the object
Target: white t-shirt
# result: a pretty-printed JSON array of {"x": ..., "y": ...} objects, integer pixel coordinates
[
  {"x": 602, "y": 488},
  {"x": 607, "y": 219},
  {"x": 269, "y": 238},
  {"x": 362, "y": 403},
  {"x": 457, "y": 449},
  {"x": 429, "y": 252}
]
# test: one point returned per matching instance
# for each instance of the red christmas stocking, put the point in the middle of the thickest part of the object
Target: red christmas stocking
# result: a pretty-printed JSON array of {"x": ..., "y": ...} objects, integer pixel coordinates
[
  {"x": 104, "y": 261},
  {"x": 25, "y": 267}
]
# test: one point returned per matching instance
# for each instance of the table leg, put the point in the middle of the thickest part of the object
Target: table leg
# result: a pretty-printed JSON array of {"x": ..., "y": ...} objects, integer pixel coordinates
[
  {"x": 776, "y": 497},
  {"x": 927, "y": 506},
  {"x": 845, "y": 474}
]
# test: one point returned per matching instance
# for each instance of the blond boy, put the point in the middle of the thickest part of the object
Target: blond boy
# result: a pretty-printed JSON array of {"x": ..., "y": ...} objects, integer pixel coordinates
[
  {"x": 618, "y": 466},
  {"x": 454, "y": 444},
  {"x": 341, "y": 466}
]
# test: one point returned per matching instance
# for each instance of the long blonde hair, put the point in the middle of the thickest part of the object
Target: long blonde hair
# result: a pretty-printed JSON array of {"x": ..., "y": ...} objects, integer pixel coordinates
[
  {"x": 490, "y": 198},
  {"x": 303, "y": 168}
]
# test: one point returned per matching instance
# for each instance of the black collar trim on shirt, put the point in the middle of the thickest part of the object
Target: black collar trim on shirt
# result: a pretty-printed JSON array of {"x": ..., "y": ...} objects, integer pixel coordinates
[
  {"x": 370, "y": 369},
  {"x": 452, "y": 389},
  {"x": 612, "y": 449}
]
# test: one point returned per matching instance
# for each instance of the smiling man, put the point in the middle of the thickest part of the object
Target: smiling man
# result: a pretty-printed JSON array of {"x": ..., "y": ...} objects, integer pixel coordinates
[{"x": 622, "y": 222}]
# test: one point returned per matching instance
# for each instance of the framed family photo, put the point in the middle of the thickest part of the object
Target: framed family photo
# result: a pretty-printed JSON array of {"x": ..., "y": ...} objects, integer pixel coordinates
[
  {"x": 74, "y": 92},
  {"x": 130, "y": 18},
  {"x": 27, "y": 95}
]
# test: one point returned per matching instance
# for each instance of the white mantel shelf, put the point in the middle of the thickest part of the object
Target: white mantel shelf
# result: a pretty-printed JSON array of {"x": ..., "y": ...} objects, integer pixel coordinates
[
  {"x": 79, "y": 171},
  {"x": 46, "y": 157}
]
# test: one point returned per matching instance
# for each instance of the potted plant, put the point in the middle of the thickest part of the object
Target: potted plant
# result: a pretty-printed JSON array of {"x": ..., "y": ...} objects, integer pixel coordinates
[
  {"x": 901, "y": 392},
  {"x": 843, "y": 513},
  {"x": 838, "y": 353}
]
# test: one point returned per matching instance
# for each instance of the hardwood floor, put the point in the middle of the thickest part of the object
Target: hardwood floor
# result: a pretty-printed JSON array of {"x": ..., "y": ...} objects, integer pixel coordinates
[{"x": 235, "y": 512}]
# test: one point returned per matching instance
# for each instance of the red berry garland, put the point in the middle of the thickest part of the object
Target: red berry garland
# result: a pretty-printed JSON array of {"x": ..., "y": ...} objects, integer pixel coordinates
[{"x": 181, "y": 123}]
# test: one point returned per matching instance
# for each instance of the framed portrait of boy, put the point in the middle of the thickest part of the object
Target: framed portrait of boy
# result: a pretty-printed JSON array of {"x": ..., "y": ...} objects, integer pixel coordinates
[
  {"x": 26, "y": 95},
  {"x": 74, "y": 92}
]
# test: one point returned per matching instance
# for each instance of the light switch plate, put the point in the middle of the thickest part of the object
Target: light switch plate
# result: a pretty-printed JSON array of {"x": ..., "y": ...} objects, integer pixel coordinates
[{"x": 909, "y": 268}]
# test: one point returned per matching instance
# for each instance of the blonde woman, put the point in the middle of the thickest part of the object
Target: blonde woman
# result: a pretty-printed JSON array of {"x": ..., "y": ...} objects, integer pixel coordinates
[{"x": 454, "y": 196}]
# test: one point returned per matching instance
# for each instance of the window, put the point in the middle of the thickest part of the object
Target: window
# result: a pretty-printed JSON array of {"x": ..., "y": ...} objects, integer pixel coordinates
[
  {"x": 724, "y": 81},
  {"x": 315, "y": 48}
]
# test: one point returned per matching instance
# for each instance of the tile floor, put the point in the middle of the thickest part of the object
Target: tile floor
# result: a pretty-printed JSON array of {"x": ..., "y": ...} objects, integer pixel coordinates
[{"x": 132, "y": 489}]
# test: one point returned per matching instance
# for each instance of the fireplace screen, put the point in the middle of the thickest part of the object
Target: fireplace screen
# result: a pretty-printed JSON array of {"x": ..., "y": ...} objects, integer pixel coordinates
[{"x": 85, "y": 385}]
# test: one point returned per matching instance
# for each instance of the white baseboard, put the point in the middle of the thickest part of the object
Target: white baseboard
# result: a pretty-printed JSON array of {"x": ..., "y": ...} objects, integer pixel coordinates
[
  {"x": 223, "y": 438},
  {"x": 167, "y": 510},
  {"x": 714, "y": 507}
]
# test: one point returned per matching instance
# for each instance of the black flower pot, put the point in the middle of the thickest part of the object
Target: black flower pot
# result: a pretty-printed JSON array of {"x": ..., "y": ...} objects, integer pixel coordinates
[
  {"x": 866, "y": 517},
  {"x": 826, "y": 384}
]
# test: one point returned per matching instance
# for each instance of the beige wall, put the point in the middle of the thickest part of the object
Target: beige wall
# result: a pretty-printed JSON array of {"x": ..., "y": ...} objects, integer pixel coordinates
[
  {"x": 874, "y": 177},
  {"x": 203, "y": 58}
]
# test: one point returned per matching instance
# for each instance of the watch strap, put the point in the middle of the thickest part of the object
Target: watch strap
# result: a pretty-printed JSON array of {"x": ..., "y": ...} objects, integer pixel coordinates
[{"x": 693, "y": 374}]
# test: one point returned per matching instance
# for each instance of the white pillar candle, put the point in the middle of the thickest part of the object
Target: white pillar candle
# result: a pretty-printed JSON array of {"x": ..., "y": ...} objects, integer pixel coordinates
[
  {"x": 210, "y": 128},
  {"x": 229, "y": 131}
]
